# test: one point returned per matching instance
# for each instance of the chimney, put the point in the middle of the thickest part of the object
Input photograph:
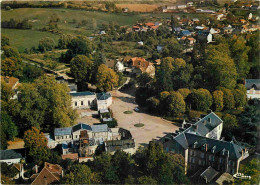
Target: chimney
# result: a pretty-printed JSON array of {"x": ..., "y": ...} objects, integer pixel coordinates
[
  {"x": 36, "y": 168},
  {"x": 206, "y": 149}
]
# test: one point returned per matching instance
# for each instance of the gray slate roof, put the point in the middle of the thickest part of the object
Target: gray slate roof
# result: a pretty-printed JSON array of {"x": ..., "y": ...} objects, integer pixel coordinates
[
  {"x": 103, "y": 96},
  {"x": 62, "y": 131},
  {"x": 100, "y": 128},
  {"x": 209, "y": 174},
  {"x": 10, "y": 154},
  {"x": 252, "y": 83},
  {"x": 81, "y": 126},
  {"x": 114, "y": 145},
  {"x": 86, "y": 93}
]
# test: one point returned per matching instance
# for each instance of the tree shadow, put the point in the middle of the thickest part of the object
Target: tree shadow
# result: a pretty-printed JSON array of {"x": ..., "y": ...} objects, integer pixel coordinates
[{"x": 127, "y": 99}]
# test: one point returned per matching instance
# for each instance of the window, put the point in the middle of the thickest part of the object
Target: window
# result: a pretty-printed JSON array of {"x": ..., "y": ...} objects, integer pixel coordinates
[
  {"x": 167, "y": 149},
  {"x": 61, "y": 137},
  {"x": 82, "y": 103},
  {"x": 211, "y": 157},
  {"x": 221, "y": 160},
  {"x": 192, "y": 152},
  {"x": 88, "y": 102},
  {"x": 76, "y": 104},
  {"x": 76, "y": 136},
  {"x": 202, "y": 155},
  {"x": 193, "y": 160},
  {"x": 208, "y": 119}
]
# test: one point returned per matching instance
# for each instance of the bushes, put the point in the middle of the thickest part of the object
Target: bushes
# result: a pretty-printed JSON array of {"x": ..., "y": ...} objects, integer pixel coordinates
[{"x": 46, "y": 44}]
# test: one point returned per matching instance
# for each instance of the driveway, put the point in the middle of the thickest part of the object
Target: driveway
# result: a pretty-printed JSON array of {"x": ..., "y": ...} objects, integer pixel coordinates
[{"x": 154, "y": 126}]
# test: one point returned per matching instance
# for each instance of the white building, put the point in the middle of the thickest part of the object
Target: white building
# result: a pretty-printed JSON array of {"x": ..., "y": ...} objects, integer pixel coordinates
[
  {"x": 253, "y": 88},
  {"x": 11, "y": 156},
  {"x": 120, "y": 66},
  {"x": 87, "y": 99}
]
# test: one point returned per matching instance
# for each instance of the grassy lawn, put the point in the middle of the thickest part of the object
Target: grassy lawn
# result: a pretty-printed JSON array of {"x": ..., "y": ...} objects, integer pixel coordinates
[
  {"x": 139, "y": 125},
  {"x": 22, "y": 39},
  {"x": 128, "y": 112}
]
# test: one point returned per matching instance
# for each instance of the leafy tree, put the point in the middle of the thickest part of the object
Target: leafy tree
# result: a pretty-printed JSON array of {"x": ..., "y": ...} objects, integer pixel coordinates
[
  {"x": 6, "y": 91},
  {"x": 220, "y": 69},
  {"x": 176, "y": 104},
  {"x": 8, "y": 170},
  {"x": 228, "y": 97},
  {"x": 64, "y": 41},
  {"x": 8, "y": 126},
  {"x": 81, "y": 68},
  {"x": 253, "y": 55},
  {"x": 184, "y": 92},
  {"x": 239, "y": 52},
  {"x": 144, "y": 80},
  {"x": 107, "y": 79},
  {"x": 79, "y": 174},
  {"x": 36, "y": 144},
  {"x": 218, "y": 100},
  {"x": 172, "y": 47},
  {"x": 182, "y": 77},
  {"x": 163, "y": 101},
  {"x": 251, "y": 168},
  {"x": 230, "y": 125},
  {"x": 248, "y": 124},
  {"x": 164, "y": 75},
  {"x": 5, "y": 41},
  {"x": 239, "y": 97},
  {"x": 153, "y": 104},
  {"x": 11, "y": 52},
  {"x": 3, "y": 140},
  {"x": 46, "y": 44},
  {"x": 45, "y": 104},
  {"x": 8, "y": 66},
  {"x": 200, "y": 99},
  {"x": 146, "y": 180}
]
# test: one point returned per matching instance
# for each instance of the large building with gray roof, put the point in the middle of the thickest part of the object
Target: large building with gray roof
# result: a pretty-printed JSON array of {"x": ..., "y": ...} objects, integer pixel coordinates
[
  {"x": 200, "y": 145},
  {"x": 87, "y": 99}
]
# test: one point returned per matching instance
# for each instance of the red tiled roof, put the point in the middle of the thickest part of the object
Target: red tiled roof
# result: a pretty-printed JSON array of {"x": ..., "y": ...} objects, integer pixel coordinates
[
  {"x": 50, "y": 173},
  {"x": 155, "y": 27},
  {"x": 140, "y": 63},
  {"x": 149, "y": 24},
  {"x": 73, "y": 156},
  {"x": 10, "y": 81},
  {"x": 191, "y": 39}
]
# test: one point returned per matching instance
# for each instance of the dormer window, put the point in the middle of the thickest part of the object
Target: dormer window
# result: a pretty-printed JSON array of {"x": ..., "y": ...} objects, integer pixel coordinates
[
  {"x": 223, "y": 151},
  {"x": 209, "y": 120},
  {"x": 195, "y": 144},
  {"x": 213, "y": 149}
]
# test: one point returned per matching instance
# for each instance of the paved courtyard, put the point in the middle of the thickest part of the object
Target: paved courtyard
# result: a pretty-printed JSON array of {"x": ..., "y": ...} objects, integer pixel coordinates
[{"x": 153, "y": 126}]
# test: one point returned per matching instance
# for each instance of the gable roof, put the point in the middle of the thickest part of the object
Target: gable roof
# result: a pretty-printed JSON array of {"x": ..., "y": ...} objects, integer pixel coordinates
[
  {"x": 49, "y": 174},
  {"x": 81, "y": 126},
  {"x": 103, "y": 96},
  {"x": 10, "y": 154},
  {"x": 86, "y": 93},
  {"x": 252, "y": 83},
  {"x": 140, "y": 63},
  {"x": 209, "y": 174},
  {"x": 62, "y": 131},
  {"x": 100, "y": 128}
]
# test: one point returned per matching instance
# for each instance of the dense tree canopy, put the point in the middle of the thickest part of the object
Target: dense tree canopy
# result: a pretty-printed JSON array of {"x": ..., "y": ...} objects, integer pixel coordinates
[
  {"x": 46, "y": 44},
  {"x": 81, "y": 68},
  {"x": 36, "y": 144},
  {"x": 11, "y": 52},
  {"x": 44, "y": 104},
  {"x": 176, "y": 104},
  {"x": 9, "y": 66},
  {"x": 200, "y": 99},
  {"x": 220, "y": 69},
  {"x": 107, "y": 79},
  {"x": 218, "y": 100}
]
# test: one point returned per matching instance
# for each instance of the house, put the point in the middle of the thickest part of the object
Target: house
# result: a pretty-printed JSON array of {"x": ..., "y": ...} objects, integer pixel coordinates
[
  {"x": 190, "y": 4},
  {"x": 205, "y": 36},
  {"x": 72, "y": 86},
  {"x": 157, "y": 61},
  {"x": 159, "y": 48},
  {"x": 12, "y": 156},
  {"x": 13, "y": 83},
  {"x": 50, "y": 174},
  {"x": 253, "y": 88},
  {"x": 157, "y": 24},
  {"x": 119, "y": 66},
  {"x": 185, "y": 33},
  {"x": 149, "y": 24},
  {"x": 181, "y": 6},
  {"x": 139, "y": 65},
  {"x": 140, "y": 43},
  {"x": 104, "y": 100},
  {"x": 227, "y": 30},
  {"x": 83, "y": 100},
  {"x": 136, "y": 28},
  {"x": 102, "y": 32},
  {"x": 250, "y": 16},
  {"x": 127, "y": 145},
  {"x": 198, "y": 142},
  {"x": 191, "y": 40}
]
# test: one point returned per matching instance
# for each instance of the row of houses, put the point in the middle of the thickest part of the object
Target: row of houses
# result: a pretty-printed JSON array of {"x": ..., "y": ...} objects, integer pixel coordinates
[{"x": 80, "y": 141}]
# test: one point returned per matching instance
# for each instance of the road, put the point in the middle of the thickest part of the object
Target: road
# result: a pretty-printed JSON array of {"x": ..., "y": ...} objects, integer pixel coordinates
[{"x": 154, "y": 126}]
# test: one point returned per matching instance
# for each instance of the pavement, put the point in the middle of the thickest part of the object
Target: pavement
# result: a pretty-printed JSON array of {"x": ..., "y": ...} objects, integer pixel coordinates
[{"x": 154, "y": 126}]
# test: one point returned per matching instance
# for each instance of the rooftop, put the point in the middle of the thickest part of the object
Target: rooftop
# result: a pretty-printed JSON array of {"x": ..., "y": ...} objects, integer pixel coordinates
[
  {"x": 11, "y": 154},
  {"x": 100, "y": 128},
  {"x": 103, "y": 96},
  {"x": 86, "y": 93},
  {"x": 80, "y": 126},
  {"x": 62, "y": 131}
]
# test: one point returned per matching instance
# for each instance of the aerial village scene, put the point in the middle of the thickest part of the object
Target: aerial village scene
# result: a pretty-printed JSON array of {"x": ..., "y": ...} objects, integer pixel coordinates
[{"x": 130, "y": 92}]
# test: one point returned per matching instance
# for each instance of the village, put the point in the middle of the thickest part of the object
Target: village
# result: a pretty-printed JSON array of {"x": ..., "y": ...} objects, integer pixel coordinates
[{"x": 171, "y": 97}]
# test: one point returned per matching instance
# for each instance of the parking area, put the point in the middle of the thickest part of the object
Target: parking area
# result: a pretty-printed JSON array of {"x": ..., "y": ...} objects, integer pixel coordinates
[{"x": 154, "y": 126}]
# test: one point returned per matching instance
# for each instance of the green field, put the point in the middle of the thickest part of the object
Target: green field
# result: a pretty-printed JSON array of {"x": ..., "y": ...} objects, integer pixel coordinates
[{"x": 22, "y": 39}]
